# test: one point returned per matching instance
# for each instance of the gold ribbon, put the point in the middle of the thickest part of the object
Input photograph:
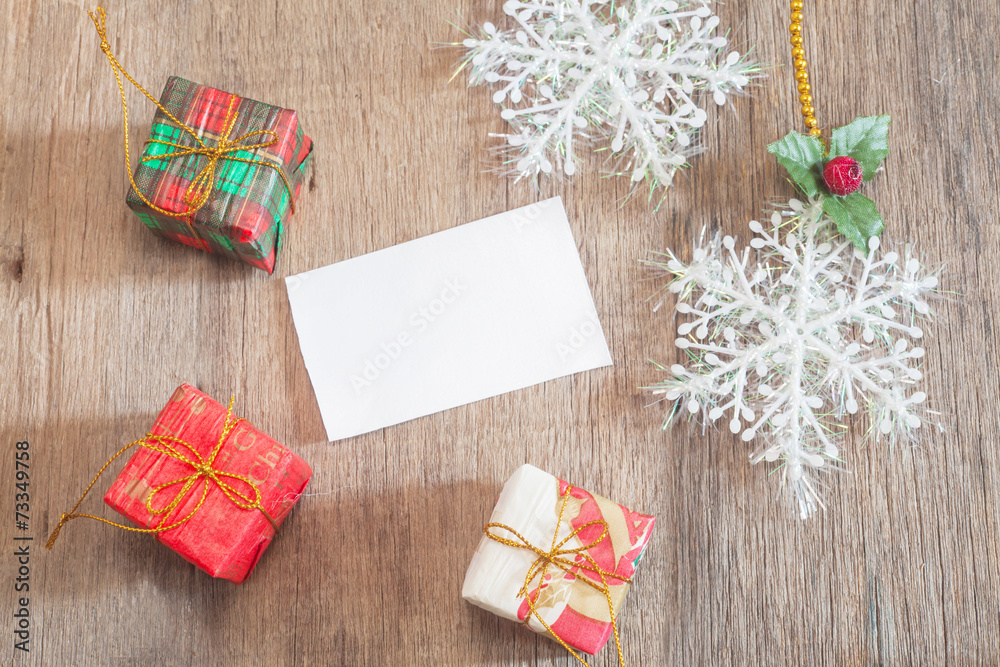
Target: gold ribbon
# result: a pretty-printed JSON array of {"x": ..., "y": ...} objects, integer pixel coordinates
[
  {"x": 204, "y": 472},
  {"x": 200, "y": 189},
  {"x": 563, "y": 558}
]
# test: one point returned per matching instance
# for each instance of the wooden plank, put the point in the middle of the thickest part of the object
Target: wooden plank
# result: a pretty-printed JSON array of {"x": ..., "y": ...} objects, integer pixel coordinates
[{"x": 101, "y": 321}]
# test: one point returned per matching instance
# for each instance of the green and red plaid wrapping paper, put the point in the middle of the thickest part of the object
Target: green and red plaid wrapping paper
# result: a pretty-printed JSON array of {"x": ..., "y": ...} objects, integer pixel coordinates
[{"x": 249, "y": 205}]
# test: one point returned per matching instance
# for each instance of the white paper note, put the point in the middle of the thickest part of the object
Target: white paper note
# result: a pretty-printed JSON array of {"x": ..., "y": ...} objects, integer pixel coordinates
[{"x": 454, "y": 317}]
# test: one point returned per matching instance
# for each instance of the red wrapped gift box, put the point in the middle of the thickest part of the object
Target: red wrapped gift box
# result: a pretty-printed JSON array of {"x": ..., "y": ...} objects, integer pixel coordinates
[{"x": 221, "y": 537}]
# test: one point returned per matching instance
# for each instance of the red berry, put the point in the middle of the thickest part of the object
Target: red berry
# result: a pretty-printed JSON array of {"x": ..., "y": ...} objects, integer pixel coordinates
[{"x": 842, "y": 175}]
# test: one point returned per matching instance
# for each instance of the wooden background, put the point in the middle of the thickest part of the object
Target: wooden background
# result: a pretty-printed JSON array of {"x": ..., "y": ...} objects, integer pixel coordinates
[{"x": 101, "y": 320}]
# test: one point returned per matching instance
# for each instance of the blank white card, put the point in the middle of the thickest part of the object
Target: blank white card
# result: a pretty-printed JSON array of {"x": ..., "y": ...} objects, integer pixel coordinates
[{"x": 454, "y": 317}]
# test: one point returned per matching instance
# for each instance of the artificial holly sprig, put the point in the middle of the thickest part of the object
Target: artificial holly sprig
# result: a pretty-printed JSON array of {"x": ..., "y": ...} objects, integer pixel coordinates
[{"x": 833, "y": 177}]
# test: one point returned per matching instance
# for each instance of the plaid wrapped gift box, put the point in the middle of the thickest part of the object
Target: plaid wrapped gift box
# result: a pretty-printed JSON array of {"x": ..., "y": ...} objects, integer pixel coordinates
[
  {"x": 223, "y": 539},
  {"x": 252, "y": 189},
  {"x": 557, "y": 559}
]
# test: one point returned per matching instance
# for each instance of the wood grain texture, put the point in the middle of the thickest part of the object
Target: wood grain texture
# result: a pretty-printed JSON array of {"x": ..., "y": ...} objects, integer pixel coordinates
[{"x": 101, "y": 321}]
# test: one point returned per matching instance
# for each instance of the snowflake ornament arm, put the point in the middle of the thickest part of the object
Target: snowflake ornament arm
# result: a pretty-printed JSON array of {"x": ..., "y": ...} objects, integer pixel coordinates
[
  {"x": 633, "y": 76},
  {"x": 771, "y": 342}
]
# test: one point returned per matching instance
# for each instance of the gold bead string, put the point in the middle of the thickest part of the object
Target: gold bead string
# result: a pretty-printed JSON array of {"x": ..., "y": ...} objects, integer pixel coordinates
[{"x": 801, "y": 75}]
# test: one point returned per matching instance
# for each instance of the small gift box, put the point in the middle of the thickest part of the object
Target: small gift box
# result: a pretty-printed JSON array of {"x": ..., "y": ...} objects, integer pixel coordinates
[
  {"x": 206, "y": 484},
  {"x": 558, "y": 559},
  {"x": 162, "y": 484},
  {"x": 233, "y": 164}
]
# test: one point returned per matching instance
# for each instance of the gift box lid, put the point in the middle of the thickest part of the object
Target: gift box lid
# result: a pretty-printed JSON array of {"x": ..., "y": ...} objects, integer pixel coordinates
[
  {"x": 530, "y": 503},
  {"x": 248, "y": 200},
  {"x": 221, "y": 538}
]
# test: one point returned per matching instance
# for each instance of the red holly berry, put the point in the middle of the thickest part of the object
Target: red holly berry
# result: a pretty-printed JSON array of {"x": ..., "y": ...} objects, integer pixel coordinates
[{"x": 842, "y": 175}]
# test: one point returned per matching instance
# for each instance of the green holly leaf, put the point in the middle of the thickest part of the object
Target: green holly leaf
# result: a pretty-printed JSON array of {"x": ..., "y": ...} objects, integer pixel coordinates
[
  {"x": 856, "y": 218},
  {"x": 802, "y": 156},
  {"x": 866, "y": 140}
]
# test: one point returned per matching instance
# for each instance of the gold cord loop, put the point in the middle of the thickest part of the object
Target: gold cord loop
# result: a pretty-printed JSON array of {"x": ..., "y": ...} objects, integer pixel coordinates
[
  {"x": 563, "y": 558},
  {"x": 204, "y": 471}
]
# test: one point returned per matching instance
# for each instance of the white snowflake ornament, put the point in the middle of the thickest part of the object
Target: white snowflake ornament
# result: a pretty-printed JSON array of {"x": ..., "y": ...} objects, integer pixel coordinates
[
  {"x": 786, "y": 339},
  {"x": 630, "y": 74}
]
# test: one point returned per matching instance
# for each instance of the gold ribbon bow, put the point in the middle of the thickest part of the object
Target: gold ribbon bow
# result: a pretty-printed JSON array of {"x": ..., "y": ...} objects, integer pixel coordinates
[
  {"x": 204, "y": 472},
  {"x": 563, "y": 558},
  {"x": 201, "y": 187}
]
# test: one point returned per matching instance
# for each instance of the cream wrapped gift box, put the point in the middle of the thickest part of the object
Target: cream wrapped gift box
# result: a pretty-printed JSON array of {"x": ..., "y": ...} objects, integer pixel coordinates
[{"x": 598, "y": 542}]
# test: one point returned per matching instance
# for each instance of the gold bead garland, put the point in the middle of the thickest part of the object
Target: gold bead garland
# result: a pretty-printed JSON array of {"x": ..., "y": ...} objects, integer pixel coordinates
[{"x": 801, "y": 75}]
